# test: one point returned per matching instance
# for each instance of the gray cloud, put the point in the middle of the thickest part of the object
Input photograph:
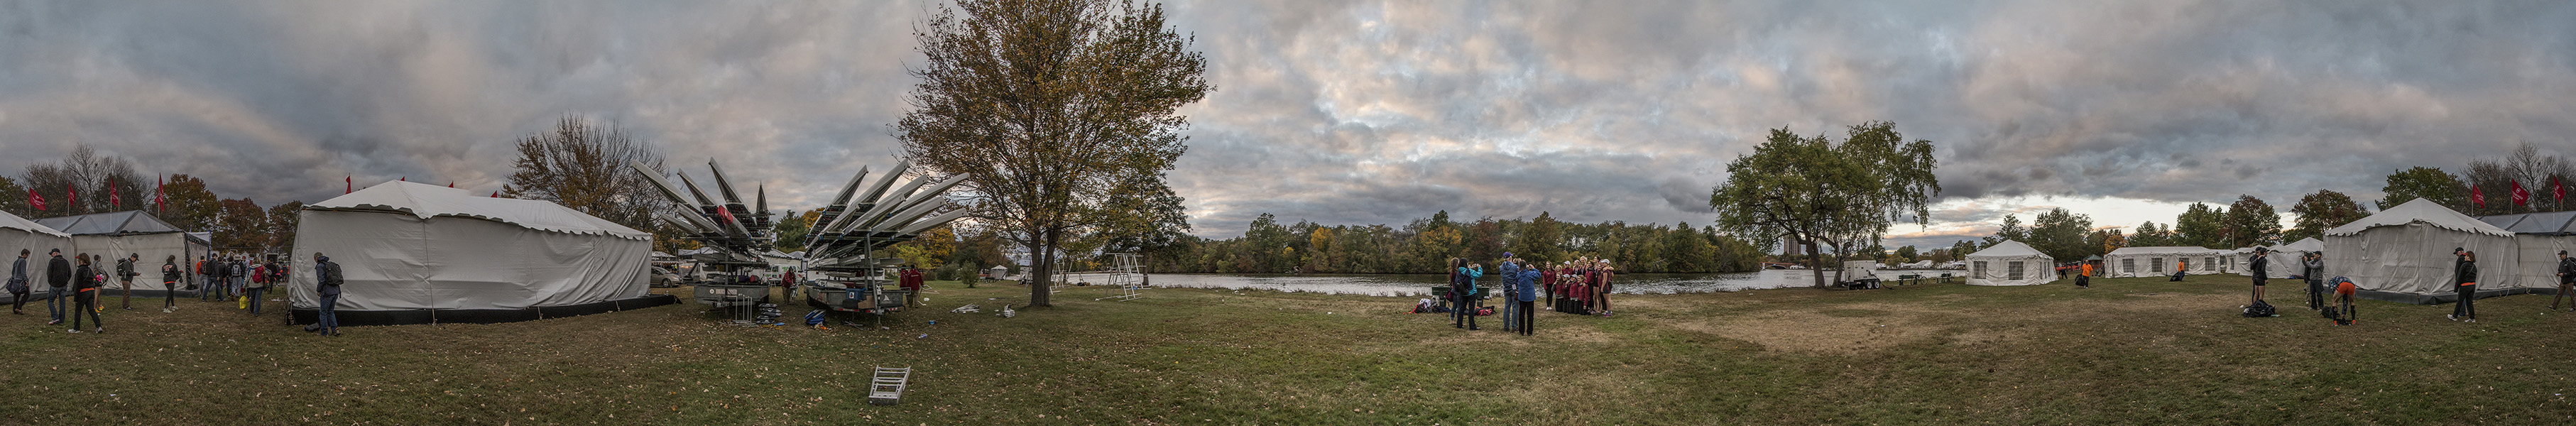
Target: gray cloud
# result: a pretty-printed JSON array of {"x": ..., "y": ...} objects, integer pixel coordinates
[{"x": 1340, "y": 112}]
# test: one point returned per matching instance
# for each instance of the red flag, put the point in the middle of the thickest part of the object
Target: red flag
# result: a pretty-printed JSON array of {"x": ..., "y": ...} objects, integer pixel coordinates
[
  {"x": 75, "y": 196},
  {"x": 350, "y": 184},
  {"x": 2557, "y": 188},
  {"x": 37, "y": 201},
  {"x": 160, "y": 203},
  {"x": 2520, "y": 196},
  {"x": 2478, "y": 195},
  {"x": 496, "y": 194},
  {"x": 451, "y": 184},
  {"x": 112, "y": 201},
  {"x": 728, "y": 214}
]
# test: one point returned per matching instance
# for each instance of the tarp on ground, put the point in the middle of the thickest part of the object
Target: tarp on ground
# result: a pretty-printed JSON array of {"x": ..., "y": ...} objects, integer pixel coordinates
[
  {"x": 117, "y": 235},
  {"x": 2131, "y": 262},
  {"x": 2010, "y": 263},
  {"x": 411, "y": 246},
  {"x": 2403, "y": 253}
]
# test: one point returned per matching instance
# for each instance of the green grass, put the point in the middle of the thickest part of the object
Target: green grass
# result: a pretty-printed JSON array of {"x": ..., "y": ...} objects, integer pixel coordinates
[{"x": 2129, "y": 351}]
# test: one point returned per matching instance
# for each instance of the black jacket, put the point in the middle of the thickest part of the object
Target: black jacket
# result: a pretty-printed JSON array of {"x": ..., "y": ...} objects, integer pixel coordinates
[
  {"x": 2261, "y": 267},
  {"x": 58, "y": 273},
  {"x": 2567, "y": 269},
  {"x": 87, "y": 276},
  {"x": 125, "y": 269},
  {"x": 2467, "y": 270},
  {"x": 170, "y": 273}
]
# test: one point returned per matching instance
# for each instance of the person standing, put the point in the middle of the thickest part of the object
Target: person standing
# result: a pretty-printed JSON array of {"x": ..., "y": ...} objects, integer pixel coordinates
[
  {"x": 240, "y": 273},
  {"x": 1462, "y": 291},
  {"x": 18, "y": 284},
  {"x": 2261, "y": 268},
  {"x": 170, "y": 276},
  {"x": 258, "y": 287},
  {"x": 2465, "y": 272},
  {"x": 125, "y": 279},
  {"x": 205, "y": 283},
  {"x": 2566, "y": 281},
  {"x": 2312, "y": 268},
  {"x": 85, "y": 295},
  {"x": 327, "y": 282},
  {"x": 58, "y": 281},
  {"x": 1509, "y": 273},
  {"x": 2084, "y": 275},
  {"x": 1525, "y": 296}
]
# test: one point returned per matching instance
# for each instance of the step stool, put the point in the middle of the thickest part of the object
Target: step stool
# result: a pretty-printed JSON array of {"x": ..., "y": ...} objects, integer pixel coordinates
[{"x": 887, "y": 387}]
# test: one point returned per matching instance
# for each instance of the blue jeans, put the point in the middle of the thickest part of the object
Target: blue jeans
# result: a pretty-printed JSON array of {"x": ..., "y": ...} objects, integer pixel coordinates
[
  {"x": 329, "y": 318},
  {"x": 1511, "y": 311},
  {"x": 57, "y": 301},
  {"x": 254, "y": 300}
]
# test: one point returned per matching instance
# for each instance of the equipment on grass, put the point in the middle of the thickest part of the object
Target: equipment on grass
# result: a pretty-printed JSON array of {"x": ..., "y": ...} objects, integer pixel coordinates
[
  {"x": 887, "y": 387},
  {"x": 2259, "y": 309}
]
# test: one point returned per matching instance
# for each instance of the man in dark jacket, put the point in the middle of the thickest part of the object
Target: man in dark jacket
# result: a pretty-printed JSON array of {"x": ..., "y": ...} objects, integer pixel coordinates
[
  {"x": 2313, "y": 269},
  {"x": 2261, "y": 269},
  {"x": 18, "y": 283},
  {"x": 327, "y": 279},
  {"x": 2566, "y": 281},
  {"x": 2466, "y": 269},
  {"x": 125, "y": 278},
  {"x": 58, "y": 281}
]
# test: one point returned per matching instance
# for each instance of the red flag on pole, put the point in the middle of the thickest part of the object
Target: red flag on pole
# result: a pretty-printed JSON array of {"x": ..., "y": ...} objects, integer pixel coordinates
[
  {"x": 2478, "y": 195},
  {"x": 350, "y": 184},
  {"x": 160, "y": 202},
  {"x": 113, "y": 202},
  {"x": 37, "y": 201},
  {"x": 496, "y": 194},
  {"x": 2558, "y": 189},
  {"x": 2520, "y": 197},
  {"x": 75, "y": 197}
]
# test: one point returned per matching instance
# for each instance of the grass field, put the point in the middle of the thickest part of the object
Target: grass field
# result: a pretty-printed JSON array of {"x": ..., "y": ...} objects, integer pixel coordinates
[{"x": 2129, "y": 351}]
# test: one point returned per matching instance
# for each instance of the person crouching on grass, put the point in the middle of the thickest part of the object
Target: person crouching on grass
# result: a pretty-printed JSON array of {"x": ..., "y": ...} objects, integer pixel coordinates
[
  {"x": 2344, "y": 292},
  {"x": 2466, "y": 276}
]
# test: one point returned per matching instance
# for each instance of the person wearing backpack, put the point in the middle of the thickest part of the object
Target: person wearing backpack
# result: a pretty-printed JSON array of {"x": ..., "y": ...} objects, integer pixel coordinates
[
  {"x": 125, "y": 279},
  {"x": 2465, "y": 276},
  {"x": 327, "y": 280},
  {"x": 18, "y": 284},
  {"x": 170, "y": 276},
  {"x": 1509, "y": 271},
  {"x": 205, "y": 281},
  {"x": 1462, "y": 289},
  {"x": 58, "y": 281},
  {"x": 2261, "y": 267},
  {"x": 240, "y": 273},
  {"x": 258, "y": 286},
  {"x": 85, "y": 294}
]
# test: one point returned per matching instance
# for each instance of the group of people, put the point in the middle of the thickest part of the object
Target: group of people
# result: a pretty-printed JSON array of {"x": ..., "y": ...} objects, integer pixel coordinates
[
  {"x": 1578, "y": 287},
  {"x": 2464, "y": 282},
  {"x": 75, "y": 283}
]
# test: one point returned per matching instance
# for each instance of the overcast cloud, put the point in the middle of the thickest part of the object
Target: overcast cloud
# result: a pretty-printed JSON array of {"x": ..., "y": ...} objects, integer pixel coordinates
[{"x": 1344, "y": 112}]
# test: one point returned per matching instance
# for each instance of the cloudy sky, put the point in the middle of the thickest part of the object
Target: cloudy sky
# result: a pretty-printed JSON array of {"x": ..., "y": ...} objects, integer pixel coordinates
[{"x": 1346, "y": 112}]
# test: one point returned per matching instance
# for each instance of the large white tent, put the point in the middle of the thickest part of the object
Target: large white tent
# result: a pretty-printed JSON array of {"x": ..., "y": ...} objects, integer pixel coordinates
[
  {"x": 424, "y": 253},
  {"x": 2537, "y": 238},
  {"x": 2403, "y": 254},
  {"x": 116, "y": 235},
  {"x": 2131, "y": 262},
  {"x": 18, "y": 233},
  {"x": 2010, "y": 263}
]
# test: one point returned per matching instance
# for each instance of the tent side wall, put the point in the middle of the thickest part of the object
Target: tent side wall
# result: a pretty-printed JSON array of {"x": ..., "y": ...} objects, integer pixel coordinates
[
  {"x": 394, "y": 261},
  {"x": 2282, "y": 264},
  {"x": 2537, "y": 264},
  {"x": 2414, "y": 260},
  {"x": 1998, "y": 271},
  {"x": 36, "y": 245},
  {"x": 155, "y": 248}
]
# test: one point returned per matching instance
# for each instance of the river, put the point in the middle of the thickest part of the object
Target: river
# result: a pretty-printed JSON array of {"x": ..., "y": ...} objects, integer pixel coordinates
[{"x": 1420, "y": 284}]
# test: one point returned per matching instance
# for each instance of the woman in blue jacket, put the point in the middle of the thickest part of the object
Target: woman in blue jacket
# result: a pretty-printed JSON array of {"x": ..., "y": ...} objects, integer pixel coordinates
[
  {"x": 1525, "y": 296},
  {"x": 1462, "y": 287}
]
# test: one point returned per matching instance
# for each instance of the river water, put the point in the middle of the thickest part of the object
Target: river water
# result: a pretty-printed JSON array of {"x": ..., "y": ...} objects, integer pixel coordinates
[{"x": 1420, "y": 284}]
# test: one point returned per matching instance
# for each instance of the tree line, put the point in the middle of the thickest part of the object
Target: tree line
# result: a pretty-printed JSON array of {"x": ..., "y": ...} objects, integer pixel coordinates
[
  {"x": 1425, "y": 245},
  {"x": 88, "y": 182}
]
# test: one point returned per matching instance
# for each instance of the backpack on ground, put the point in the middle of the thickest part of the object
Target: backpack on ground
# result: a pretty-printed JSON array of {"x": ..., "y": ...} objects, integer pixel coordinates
[{"x": 2259, "y": 309}]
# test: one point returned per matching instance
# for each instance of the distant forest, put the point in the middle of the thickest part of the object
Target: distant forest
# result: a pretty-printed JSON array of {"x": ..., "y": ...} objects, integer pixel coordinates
[{"x": 1422, "y": 247}]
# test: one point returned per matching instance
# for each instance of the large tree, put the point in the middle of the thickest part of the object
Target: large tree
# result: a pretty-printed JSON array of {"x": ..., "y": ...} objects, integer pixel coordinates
[
  {"x": 2426, "y": 183},
  {"x": 187, "y": 204},
  {"x": 2321, "y": 211},
  {"x": 2152, "y": 234},
  {"x": 82, "y": 182},
  {"x": 1051, "y": 106},
  {"x": 2249, "y": 222},
  {"x": 13, "y": 198},
  {"x": 1148, "y": 220},
  {"x": 2061, "y": 234},
  {"x": 583, "y": 166},
  {"x": 1841, "y": 194},
  {"x": 2011, "y": 230},
  {"x": 2200, "y": 225},
  {"x": 282, "y": 220},
  {"x": 1543, "y": 240},
  {"x": 2496, "y": 178},
  {"x": 243, "y": 225}
]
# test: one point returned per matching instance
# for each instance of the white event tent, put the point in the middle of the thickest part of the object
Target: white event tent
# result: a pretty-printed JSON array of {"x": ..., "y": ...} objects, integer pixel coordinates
[
  {"x": 2403, "y": 254},
  {"x": 2010, "y": 263},
  {"x": 18, "y": 233},
  {"x": 418, "y": 253},
  {"x": 117, "y": 235},
  {"x": 2132, "y": 262}
]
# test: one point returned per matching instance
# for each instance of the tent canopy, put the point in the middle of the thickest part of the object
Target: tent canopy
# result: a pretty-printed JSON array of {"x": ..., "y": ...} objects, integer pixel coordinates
[
  {"x": 2008, "y": 248},
  {"x": 2309, "y": 245},
  {"x": 124, "y": 222},
  {"x": 2420, "y": 211},
  {"x": 427, "y": 201},
  {"x": 2550, "y": 223},
  {"x": 11, "y": 221}
]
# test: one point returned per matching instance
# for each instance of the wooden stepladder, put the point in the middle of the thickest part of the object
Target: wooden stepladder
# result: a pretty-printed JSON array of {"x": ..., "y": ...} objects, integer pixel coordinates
[{"x": 887, "y": 387}]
